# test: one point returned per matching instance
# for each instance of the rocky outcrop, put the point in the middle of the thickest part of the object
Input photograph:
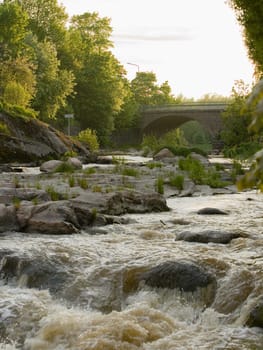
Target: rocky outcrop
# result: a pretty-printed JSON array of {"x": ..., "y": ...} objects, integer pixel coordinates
[{"x": 30, "y": 140}]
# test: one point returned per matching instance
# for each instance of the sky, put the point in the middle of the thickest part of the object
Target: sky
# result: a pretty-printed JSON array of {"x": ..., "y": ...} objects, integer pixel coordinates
[{"x": 195, "y": 45}]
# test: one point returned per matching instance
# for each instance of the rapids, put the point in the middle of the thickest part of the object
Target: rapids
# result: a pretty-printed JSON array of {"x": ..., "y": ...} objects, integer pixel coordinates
[{"x": 91, "y": 300}]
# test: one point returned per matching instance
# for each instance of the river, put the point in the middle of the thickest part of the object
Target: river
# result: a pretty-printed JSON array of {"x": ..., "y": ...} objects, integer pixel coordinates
[{"x": 90, "y": 302}]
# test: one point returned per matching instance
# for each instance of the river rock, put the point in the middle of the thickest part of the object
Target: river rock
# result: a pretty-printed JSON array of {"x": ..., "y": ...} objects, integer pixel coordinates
[
  {"x": 182, "y": 275},
  {"x": 74, "y": 162},
  {"x": 50, "y": 165},
  {"x": 208, "y": 236},
  {"x": 163, "y": 153},
  {"x": 8, "y": 195},
  {"x": 211, "y": 211},
  {"x": 255, "y": 317}
]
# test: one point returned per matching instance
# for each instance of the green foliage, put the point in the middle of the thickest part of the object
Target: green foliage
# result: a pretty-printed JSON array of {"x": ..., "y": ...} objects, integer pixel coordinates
[
  {"x": 89, "y": 138},
  {"x": 237, "y": 118},
  {"x": 152, "y": 165},
  {"x": 90, "y": 171},
  {"x": 4, "y": 129},
  {"x": 199, "y": 175},
  {"x": 250, "y": 16},
  {"x": 147, "y": 92},
  {"x": 16, "y": 202},
  {"x": 83, "y": 183},
  {"x": 15, "y": 94},
  {"x": 128, "y": 171},
  {"x": 196, "y": 136},
  {"x": 159, "y": 185},
  {"x": 177, "y": 180},
  {"x": 65, "y": 168},
  {"x": 244, "y": 150},
  {"x": 171, "y": 140},
  {"x": 54, "y": 195},
  {"x": 71, "y": 181}
]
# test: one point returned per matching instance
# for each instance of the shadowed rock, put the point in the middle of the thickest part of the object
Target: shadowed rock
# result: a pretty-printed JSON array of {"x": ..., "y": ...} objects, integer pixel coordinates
[
  {"x": 185, "y": 276},
  {"x": 255, "y": 318}
]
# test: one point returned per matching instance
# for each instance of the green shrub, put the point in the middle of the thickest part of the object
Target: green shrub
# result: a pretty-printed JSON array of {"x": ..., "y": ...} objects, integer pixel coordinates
[
  {"x": 65, "y": 168},
  {"x": 54, "y": 195},
  {"x": 71, "y": 181},
  {"x": 89, "y": 137},
  {"x": 152, "y": 165},
  {"x": 177, "y": 181},
  {"x": 127, "y": 171},
  {"x": 83, "y": 183},
  {"x": 159, "y": 186}
]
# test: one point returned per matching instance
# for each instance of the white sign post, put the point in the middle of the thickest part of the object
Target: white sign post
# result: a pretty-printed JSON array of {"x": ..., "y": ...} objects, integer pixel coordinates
[{"x": 68, "y": 117}]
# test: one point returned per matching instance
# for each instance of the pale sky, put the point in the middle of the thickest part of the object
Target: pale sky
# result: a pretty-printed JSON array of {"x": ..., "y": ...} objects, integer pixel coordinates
[{"x": 196, "y": 45}]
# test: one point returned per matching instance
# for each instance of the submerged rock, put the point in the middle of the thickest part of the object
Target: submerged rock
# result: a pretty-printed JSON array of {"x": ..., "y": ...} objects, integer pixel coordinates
[
  {"x": 211, "y": 211},
  {"x": 208, "y": 236}
]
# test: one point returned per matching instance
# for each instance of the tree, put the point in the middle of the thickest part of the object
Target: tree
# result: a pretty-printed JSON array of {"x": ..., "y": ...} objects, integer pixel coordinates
[
  {"x": 13, "y": 29},
  {"x": 100, "y": 84},
  {"x": 47, "y": 20},
  {"x": 250, "y": 15},
  {"x": 54, "y": 85},
  {"x": 237, "y": 118}
]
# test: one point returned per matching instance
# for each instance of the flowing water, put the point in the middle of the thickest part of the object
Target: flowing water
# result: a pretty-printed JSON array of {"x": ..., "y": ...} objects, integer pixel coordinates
[{"x": 80, "y": 292}]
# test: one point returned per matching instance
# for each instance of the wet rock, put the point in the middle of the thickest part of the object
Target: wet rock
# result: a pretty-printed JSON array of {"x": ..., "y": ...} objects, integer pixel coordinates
[
  {"x": 211, "y": 211},
  {"x": 185, "y": 276},
  {"x": 208, "y": 236},
  {"x": 33, "y": 273},
  {"x": 255, "y": 318},
  {"x": 8, "y": 220},
  {"x": 234, "y": 289}
]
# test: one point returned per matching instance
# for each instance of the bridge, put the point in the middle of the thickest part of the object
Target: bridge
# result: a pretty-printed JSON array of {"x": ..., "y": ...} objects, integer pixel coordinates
[{"x": 158, "y": 120}]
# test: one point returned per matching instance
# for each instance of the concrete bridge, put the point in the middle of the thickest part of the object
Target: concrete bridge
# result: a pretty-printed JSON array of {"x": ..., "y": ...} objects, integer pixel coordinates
[{"x": 157, "y": 120}]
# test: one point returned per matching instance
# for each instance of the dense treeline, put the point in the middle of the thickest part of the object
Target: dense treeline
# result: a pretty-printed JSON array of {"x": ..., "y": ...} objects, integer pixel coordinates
[{"x": 56, "y": 65}]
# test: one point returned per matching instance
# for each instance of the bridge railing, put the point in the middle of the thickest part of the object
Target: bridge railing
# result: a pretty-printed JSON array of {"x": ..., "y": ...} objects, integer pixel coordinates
[{"x": 185, "y": 104}]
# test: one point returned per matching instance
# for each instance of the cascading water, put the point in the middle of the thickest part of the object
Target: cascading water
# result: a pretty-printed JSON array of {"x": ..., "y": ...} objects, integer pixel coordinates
[{"x": 82, "y": 292}]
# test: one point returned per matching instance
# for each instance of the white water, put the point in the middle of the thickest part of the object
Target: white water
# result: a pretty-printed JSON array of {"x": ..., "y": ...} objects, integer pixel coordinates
[{"x": 100, "y": 307}]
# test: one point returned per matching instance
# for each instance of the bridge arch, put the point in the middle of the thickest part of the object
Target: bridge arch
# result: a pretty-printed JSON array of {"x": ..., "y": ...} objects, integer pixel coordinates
[{"x": 157, "y": 120}]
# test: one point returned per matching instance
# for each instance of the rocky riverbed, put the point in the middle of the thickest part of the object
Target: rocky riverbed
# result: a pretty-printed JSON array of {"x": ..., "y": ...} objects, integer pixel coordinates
[{"x": 63, "y": 197}]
